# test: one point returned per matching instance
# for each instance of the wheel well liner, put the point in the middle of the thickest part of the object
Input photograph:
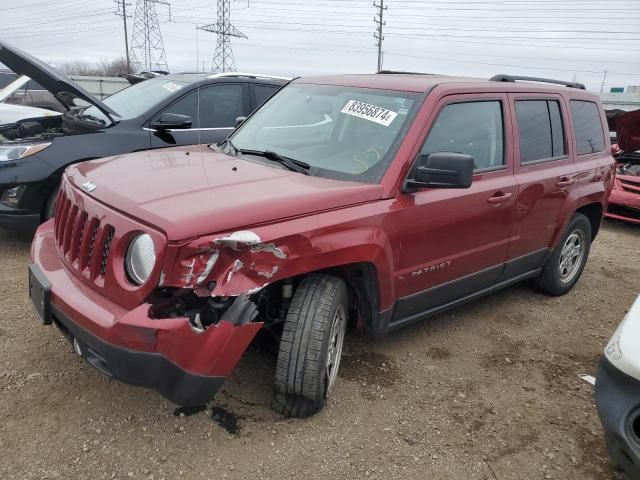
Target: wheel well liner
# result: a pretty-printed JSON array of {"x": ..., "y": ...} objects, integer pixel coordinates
[
  {"x": 593, "y": 212},
  {"x": 362, "y": 280}
]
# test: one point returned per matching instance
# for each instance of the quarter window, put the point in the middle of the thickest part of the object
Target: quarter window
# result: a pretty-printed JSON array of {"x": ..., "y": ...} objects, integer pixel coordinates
[
  {"x": 588, "y": 127},
  {"x": 541, "y": 130},
  {"x": 472, "y": 128}
]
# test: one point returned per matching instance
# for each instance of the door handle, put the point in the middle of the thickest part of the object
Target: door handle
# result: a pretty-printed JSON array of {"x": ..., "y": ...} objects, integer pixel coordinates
[
  {"x": 499, "y": 197},
  {"x": 565, "y": 182}
]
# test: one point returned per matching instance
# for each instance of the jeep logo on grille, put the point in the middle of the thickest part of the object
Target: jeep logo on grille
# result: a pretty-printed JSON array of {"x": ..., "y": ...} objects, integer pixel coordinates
[{"x": 89, "y": 186}]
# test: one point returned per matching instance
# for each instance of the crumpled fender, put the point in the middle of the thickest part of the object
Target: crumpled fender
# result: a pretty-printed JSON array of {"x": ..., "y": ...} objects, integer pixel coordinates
[{"x": 245, "y": 261}]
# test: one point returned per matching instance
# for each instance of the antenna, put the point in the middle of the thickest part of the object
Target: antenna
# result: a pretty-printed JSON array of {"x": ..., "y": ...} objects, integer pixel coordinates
[
  {"x": 198, "y": 87},
  {"x": 223, "y": 56},
  {"x": 147, "y": 48}
]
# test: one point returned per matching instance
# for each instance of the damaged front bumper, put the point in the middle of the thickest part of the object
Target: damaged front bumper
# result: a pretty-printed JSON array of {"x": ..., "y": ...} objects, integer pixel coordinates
[{"x": 168, "y": 355}]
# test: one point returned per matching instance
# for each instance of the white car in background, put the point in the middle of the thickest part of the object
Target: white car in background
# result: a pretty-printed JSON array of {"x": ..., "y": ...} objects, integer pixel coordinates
[
  {"x": 618, "y": 393},
  {"x": 11, "y": 113}
]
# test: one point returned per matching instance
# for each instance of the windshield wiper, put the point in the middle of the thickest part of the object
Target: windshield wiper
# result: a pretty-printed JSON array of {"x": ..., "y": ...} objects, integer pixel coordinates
[
  {"x": 290, "y": 163},
  {"x": 230, "y": 143}
]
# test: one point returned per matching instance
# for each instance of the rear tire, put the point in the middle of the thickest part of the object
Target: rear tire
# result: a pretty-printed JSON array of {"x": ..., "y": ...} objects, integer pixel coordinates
[
  {"x": 311, "y": 345},
  {"x": 49, "y": 210},
  {"x": 564, "y": 267}
]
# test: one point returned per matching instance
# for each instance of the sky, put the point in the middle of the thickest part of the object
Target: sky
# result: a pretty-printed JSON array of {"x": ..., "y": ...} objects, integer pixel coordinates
[{"x": 576, "y": 40}]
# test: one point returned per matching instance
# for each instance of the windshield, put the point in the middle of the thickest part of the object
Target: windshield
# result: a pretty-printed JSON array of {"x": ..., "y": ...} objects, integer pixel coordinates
[
  {"x": 341, "y": 132},
  {"x": 137, "y": 99}
]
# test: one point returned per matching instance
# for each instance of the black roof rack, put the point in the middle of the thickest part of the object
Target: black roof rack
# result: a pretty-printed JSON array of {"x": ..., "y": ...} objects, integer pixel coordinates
[
  {"x": 392, "y": 72},
  {"x": 501, "y": 77}
]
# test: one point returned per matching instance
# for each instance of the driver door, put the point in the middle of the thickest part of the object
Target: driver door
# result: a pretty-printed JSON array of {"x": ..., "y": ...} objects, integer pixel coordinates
[
  {"x": 213, "y": 110},
  {"x": 454, "y": 241}
]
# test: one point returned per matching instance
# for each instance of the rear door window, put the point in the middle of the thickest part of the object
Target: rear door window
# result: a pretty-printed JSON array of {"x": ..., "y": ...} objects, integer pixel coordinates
[
  {"x": 540, "y": 130},
  {"x": 588, "y": 127},
  {"x": 472, "y": 128}
]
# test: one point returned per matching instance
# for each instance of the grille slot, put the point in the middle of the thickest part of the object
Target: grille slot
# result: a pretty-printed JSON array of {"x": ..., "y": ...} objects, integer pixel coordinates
[
  {"x": 92, "y": 240},
  {"x": 104, "y": 262},
  {"x": 81, "y": 239},
  {"x": 630, "y": 186}
]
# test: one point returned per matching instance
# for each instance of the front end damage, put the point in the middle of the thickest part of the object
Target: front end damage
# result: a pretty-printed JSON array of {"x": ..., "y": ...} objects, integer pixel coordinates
[
  {"x": 213, "y": 295},
  {"x": 205, "y": 279}
]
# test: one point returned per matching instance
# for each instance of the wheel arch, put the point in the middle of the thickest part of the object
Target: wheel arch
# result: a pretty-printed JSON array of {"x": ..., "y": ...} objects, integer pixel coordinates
[
  {"x": 593, "y": 212},
  {"x": 363, "y": 285}
]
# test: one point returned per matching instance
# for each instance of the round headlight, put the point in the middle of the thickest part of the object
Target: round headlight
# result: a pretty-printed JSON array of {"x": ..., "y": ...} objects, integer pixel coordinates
[{"x": 141, "y": 257}]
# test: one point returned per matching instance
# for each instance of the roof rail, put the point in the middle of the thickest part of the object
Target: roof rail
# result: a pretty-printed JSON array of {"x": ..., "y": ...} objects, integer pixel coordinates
[
  {"x": 392, "y": 72},
  {"x": 250, "y": 75},
  {"x": 501, "y": 77}
]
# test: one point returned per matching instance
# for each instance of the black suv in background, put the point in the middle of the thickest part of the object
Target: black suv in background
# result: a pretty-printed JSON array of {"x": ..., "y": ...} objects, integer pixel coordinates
[{"x": 180, "y": 109}]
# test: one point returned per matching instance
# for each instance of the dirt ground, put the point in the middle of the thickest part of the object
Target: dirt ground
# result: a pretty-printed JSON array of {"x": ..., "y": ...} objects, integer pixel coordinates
[{"x": 487, "y": 391}]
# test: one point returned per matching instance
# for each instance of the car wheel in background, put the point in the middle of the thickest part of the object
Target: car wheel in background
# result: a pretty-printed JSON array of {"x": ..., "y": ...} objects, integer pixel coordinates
[{"x": 50, "y": 205}]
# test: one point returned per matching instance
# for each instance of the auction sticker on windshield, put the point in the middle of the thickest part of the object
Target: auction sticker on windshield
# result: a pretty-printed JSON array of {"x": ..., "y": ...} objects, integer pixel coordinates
[{"x": 369, "y": 112}]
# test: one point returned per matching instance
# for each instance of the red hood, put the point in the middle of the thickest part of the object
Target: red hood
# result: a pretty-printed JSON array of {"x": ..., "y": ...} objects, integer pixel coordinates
[
  {"x": 628, "y": 131},
  {"x": 191, "y": 191}
]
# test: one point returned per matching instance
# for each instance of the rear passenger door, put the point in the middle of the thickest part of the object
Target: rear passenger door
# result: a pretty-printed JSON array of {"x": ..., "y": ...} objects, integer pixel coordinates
[
  {"x": 454, "y": 242},
  {"x": 593, "y": 158},
  {"x": 213, "y": 109},
  {"x": 546, "y": 175}
]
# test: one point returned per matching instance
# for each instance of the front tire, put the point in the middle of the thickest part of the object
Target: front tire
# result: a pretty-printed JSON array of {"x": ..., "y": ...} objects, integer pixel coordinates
[
  {"x": 50, "y": 205},
  {"x": 564, "y": 267},
  {"x": 311, "y": 345}
]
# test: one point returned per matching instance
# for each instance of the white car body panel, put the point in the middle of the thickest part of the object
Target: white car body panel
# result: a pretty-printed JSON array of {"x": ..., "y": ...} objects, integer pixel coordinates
[
  {"x": 14, "y": 113},
  {"x": 623, "y": 349}
]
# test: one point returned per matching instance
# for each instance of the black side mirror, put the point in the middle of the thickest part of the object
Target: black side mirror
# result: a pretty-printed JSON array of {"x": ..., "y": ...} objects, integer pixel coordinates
[
  {"x": 441, "y": 170},
  {"x": 170, "y": 121},
  {"x": 240, "y": 121}
]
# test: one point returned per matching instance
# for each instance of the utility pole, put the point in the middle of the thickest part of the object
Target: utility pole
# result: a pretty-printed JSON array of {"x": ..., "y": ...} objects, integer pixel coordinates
[
  {"x": 147, "y": 48},
  {"x": 223, "y": 56},
  {"x": 604, "y": 77},
  {"x": 123, "y": 14},
  {"x": 378, "y": 34}
]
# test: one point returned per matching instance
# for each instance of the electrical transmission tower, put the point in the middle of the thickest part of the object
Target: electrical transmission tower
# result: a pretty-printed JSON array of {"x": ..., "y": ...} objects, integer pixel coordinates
[
  {"x": 147, "y": 49},
  {"x": 223, "y": 56},
  {"x": 378, "y": 19}
]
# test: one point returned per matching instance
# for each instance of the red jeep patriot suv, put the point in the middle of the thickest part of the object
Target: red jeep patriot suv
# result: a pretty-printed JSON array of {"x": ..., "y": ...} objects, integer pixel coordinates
[{"x": 369, "y": 201}]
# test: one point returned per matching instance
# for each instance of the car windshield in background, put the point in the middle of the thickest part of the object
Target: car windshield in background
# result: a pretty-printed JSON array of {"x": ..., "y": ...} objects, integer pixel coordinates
[
  {"x": 341, "y": 132},
  {"x": 135, "y": 100},
  {"x": 6, "y": 78}
]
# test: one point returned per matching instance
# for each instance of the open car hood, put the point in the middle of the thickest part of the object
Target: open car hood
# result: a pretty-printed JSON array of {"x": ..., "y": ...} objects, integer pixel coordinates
[
  {"x": 628, "y": 131},
  {"x": 61, "y": 86},
  {"x": 10, "y": 114}
]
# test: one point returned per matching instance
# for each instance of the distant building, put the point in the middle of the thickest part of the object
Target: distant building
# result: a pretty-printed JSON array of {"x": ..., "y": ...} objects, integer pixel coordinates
[{"x": 621, "y": 98}]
